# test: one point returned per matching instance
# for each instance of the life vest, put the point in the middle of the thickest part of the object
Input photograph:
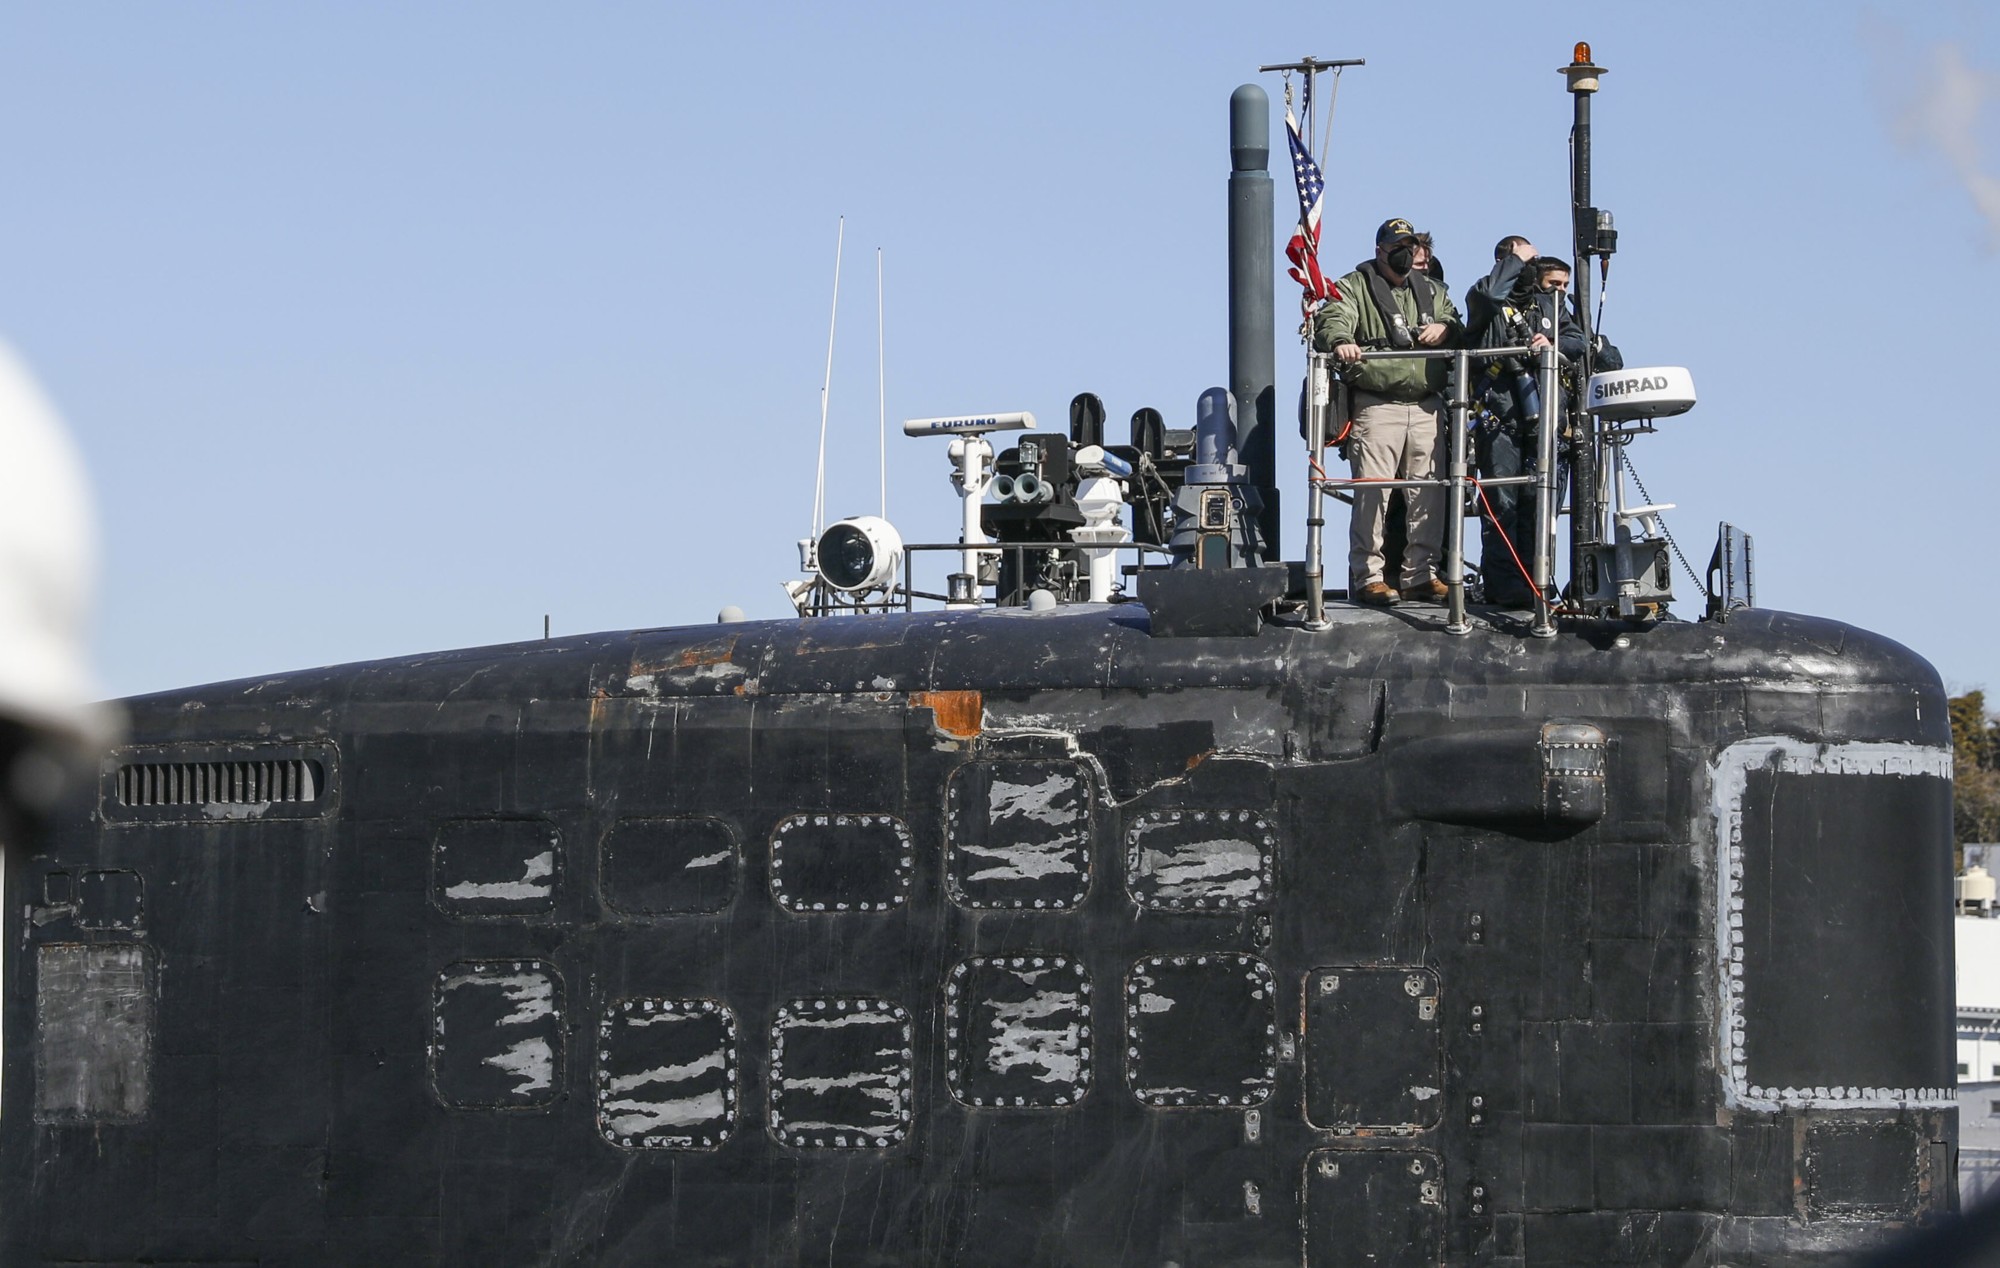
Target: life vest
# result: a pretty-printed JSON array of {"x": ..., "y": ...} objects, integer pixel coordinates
[{"x": 1421, "y": 288}]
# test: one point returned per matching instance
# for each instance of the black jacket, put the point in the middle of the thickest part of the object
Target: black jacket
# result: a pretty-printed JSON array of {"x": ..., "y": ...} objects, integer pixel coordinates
[{"x": 1501, "y": 309}]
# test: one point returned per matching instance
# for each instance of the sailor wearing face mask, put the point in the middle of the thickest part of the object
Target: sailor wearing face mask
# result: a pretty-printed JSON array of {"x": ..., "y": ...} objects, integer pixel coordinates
[
  {"x": 1390, "y": 302},
  {"x": 1523, "y": 301}
]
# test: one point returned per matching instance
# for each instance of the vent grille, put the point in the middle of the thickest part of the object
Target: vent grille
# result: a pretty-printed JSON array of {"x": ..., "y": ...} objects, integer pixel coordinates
[{"x": 239, "y": 783}]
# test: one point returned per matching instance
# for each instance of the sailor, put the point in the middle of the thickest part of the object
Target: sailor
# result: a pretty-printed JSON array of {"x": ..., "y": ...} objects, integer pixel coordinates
[
  {"x": 1503, "y": 308},
  {"x": 1520, "y": 302},
  {"x": 1391, "y": 302}
]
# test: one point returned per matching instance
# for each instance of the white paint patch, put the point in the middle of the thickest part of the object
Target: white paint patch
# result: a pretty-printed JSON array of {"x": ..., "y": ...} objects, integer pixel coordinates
[
  {"x": 1040, "y": 1034},
  {"x": 836, "y": 1021},
  {"x": 872, "y": 1101},
  {"x": 537, "y": 881},
  {"x": 1012, "y": 723},
  {"x": 1209, "y": 869},
  {"x": 1244, "y": 725},
  {"x": 531, "y": 1062},
  {"x": 1423, "y": 1093},
  {"x": 721, "y": 671},
  {"x": 1729, "y": 780},
  {"x": 639, "y": 1021},
  {"x": 668, "y": 1074},
  {"x": 1036, "y": 828},
  {"x": 632, "y": 1117},
  {"x": 880, "y": 1085},
  {"x": 532, "y": 994},
  {"x": 1191, "y": 859},
  {"x": 1035, "y": 802},
  {"x": 1022, "y": 861}
]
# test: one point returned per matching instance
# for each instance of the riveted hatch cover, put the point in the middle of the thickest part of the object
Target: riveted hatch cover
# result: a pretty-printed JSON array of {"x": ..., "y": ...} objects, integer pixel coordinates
[{"x": 1373, "y": 1054}]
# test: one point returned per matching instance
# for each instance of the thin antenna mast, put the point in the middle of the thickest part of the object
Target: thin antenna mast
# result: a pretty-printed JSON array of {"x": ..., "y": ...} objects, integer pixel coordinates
[
  {"x": 819, "y": 481},
  {"x": 881, "y": 389},
  {"x": 1591, "y": 234}
]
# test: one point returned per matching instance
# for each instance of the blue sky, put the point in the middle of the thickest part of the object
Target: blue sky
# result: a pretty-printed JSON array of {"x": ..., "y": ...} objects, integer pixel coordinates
[{"x": 387, "y": 328}]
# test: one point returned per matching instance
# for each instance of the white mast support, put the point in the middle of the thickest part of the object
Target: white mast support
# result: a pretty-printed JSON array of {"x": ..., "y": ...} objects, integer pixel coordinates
[
  {"x": 1100, "y": 498},
  {"x": 1319, "y": 403},
  {"x": 972, "y": 472},
  {"x": 881, "y": 390},
  {"x": 819, "y": 482},
  {"x": 975, "y": 472},
  {"x": 1553, "y": 423}
]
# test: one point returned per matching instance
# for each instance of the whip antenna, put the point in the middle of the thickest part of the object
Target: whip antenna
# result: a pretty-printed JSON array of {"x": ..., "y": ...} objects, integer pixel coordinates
[
  {"x": 881, "y": 389},
  {"x": 819, "y": 481}
]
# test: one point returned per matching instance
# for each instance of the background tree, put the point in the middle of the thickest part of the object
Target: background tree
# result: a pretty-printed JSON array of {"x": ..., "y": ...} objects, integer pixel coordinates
[{"x": 1975, "y": 763}]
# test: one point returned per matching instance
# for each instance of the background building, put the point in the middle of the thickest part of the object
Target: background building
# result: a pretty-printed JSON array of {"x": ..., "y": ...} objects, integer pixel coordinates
[{"x": 1978, "y": 955}]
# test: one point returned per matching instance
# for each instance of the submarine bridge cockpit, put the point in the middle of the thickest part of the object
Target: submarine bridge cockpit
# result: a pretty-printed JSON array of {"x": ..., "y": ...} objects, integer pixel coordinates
[
  {"x": 1188, "y": 520},
  {"x": 1176, "y": 517}
]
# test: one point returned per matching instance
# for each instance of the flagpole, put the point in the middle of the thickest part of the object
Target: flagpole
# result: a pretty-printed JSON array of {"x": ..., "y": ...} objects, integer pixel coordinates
[
  {"x": 1303, "y": 249},
  {"x": 1303, "y": 252}
]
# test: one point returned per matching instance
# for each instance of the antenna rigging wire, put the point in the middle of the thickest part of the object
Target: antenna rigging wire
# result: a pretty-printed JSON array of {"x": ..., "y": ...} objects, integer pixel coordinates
[
  {"x": 1332, "y": 98},
  {"x": 1603, "y": 291},
  {"x": 819, "y": 482}
]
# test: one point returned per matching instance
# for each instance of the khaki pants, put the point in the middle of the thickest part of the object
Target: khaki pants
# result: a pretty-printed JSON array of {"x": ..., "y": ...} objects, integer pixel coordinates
[{"x": 1395, "y": 440}]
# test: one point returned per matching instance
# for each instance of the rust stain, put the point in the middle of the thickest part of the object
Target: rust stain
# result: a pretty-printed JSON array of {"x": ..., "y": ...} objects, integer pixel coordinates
[
  {"x": 1199, "y": 758},
  {"x": 808, "y": 646},
  {"x": 958, "y": 714},
  {"x": 710, "y": 654},
  {"x": 713, "y": 652}
]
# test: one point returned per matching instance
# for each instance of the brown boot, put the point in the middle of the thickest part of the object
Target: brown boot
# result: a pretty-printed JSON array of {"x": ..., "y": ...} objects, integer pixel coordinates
[
  {"x": 1431, "y": 591},
  {"x": 1377, "y": 595}
]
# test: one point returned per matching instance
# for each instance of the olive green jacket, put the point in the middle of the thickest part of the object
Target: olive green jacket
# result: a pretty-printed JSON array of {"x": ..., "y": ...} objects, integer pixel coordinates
[{"x": 1353, "y": 319}]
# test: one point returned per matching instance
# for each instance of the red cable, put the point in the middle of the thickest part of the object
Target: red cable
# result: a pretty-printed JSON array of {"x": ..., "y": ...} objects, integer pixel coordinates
[
  {"x": 1484, "y": 504},
  {"x": 1504, "y": 537}
]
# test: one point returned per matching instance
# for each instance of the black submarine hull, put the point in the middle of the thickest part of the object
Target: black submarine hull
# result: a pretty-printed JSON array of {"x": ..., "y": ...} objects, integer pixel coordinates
[{"x": 1002, "y": 938}]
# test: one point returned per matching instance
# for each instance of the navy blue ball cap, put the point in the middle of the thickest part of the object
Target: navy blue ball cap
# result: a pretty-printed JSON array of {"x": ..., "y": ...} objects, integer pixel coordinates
[{"x": 1395, "y": 231}]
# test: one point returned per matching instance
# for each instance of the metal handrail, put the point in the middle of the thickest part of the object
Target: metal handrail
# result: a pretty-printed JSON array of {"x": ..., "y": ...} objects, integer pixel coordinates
[
  {"x": 826, "y": 600},
  {"x": 1320, "y": 374},
  {"x": 1019, "y": 550}
]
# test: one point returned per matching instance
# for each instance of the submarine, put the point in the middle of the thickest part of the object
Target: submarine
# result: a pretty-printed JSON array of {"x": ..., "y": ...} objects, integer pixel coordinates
[{"x": 1137, "y": 899}]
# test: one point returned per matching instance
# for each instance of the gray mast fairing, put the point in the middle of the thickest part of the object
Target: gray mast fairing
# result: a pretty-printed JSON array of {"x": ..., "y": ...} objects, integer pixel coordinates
[{"x": 1252, "y": 302}]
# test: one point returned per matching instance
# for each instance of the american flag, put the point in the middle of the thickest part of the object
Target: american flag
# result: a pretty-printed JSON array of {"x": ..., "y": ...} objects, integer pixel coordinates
[{"x": 1303, "y": 249}]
